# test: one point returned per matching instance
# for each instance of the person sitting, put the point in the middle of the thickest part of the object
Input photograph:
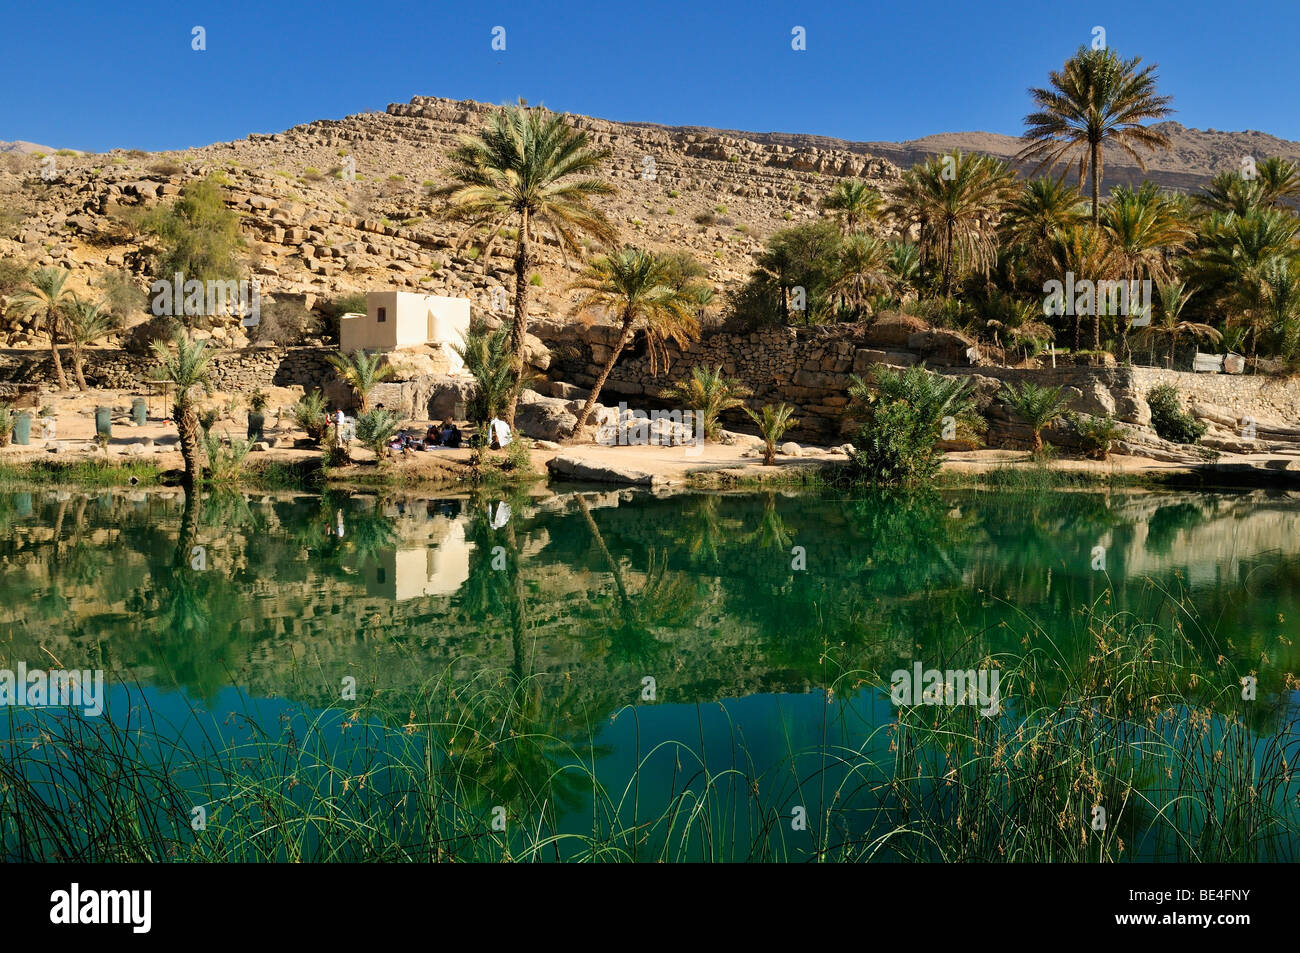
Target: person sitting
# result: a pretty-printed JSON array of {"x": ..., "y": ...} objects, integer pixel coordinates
[
  {"x": 449, "y": 435},
  {"x": 432, "y": 437}
]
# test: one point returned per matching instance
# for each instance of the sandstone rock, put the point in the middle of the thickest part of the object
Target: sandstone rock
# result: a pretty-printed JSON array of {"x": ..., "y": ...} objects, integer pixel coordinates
[
  {"x": 791, "y": 449},
  {"x": 544, "y": 418}
]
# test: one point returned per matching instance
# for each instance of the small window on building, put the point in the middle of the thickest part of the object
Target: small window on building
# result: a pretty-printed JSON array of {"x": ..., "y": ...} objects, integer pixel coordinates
[
  {"x": 380, "y": 576},
  {"x": 383, "y": 315}
]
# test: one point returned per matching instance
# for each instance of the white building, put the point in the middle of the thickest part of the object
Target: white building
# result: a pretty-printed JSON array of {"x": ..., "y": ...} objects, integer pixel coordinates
[{"x": 403, "y": 319}]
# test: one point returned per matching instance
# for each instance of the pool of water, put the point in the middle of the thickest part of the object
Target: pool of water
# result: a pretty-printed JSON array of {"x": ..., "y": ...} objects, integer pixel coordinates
[{"x": 655, "y": 641}]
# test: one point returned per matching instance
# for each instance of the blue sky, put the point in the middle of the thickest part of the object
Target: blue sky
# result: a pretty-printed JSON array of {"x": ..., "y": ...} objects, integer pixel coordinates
[{"x": 98, "y": 75}]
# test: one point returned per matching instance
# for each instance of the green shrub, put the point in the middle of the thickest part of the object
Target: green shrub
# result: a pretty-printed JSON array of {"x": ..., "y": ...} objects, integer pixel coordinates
[
  {"x": 904, "y": 415},
  {"x": 225, "y": 458},
  {"x": 1169, "y": 419},
  {"x": 310, "y": 414},
  {"x": 1098, "y": 434},
  {"x": 376, "y": 427}
]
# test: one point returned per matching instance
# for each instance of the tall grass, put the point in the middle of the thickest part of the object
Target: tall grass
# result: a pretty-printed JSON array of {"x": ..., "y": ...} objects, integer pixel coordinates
[{"x": 1148, "y": 727}]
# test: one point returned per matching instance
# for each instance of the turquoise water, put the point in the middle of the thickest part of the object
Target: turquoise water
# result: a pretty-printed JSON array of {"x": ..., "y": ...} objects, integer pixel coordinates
[{"x": 749, "y": 636}]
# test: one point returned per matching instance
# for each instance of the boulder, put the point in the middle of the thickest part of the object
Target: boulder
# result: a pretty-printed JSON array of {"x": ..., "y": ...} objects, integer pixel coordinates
[{"x": 544, "y": 418}]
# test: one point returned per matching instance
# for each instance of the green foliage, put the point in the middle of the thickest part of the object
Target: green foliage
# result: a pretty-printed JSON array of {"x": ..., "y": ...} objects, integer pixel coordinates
[
  {"x": 707, "y": 391},
  {"x": 225, "y": 458},
  {"x": 488, "y": 359},
  {"x": 13, "y": 275},
  {"x": 1036, "y": 405},
  {"x": 311, "y": 415},
  {"x": 773, "y": 424},
  {"x": 904, "y": 415},
  {"x": 804, "y": 257},
  {"x": 1097, "y": 434},
  {"x": 198, "y": 235},
  {"x": 376, "y": 427},
  {"x": 361, "y": 371},
  {"x": 1169, "y": 419}
]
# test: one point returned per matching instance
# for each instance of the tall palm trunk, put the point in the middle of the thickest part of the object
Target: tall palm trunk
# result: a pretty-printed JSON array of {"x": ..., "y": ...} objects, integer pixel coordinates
[
  {"x": 1095, "y": 148},
  {"x": 77, "y": 361},
  {"x": 52, "y": 319},
  {"x": 947, "y": 260},
  {"x": 624, "y": 336},
  {"x": 519, "y": 326},
  {"x": 187, "y": 425}
]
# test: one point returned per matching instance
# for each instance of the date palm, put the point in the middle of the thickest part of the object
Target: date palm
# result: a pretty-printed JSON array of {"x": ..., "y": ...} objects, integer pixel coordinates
[
  {"x": 1089, "y": 254},
  {"x": 185, "y": 363},
  {"x": 1280, "y": 299},
  {"x": 954, "y": 198},
  {"x": 1095, "y": 99},
  {"x": 1145, "y": 227},
  {"x": 361, "y": 372},
  {"x": 524, "y": 171},
  {"x": 1231, "y": 192},
  {"x": 1279, "y": 180},
  {"x": 636, "y": 287},
  {"x": 1036, "y": 405},
  {"x": 1040, "y": 209},
  {"x": 853, "y": 203},
  {"x": 710, "y": 394},
  {"x": 46, "y": 293},
  {"x": 863, "y": 270},
  {"x": 87, "y": 322},
  {"x": 1171, "y": 299},
  {"x": 773, "y": 424}
]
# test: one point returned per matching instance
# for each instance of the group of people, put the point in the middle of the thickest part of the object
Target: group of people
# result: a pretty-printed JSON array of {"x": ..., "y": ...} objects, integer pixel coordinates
[{"x": 446, "y": 434}]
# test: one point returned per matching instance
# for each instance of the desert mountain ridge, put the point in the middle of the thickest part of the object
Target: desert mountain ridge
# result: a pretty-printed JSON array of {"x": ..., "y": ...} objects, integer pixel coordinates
[{"x": 312, "y": 232}]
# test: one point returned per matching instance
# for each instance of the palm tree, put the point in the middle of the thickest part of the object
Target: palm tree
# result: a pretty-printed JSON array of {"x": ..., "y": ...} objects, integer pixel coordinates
[
  {"x": 87, "y": 323},
  {"x": 1279, "y": 180},
  {"x": 1036, "y": 405},
  {"x": 487, "y": 358},
  {"x": 1280, "y": 294},
  {"x": 46, "y": 293},
  {"x": 634, "y": 285},
  {"x": 375, "y": 428},
  {"x": 1039, "y": 210},
  {"x": 521, "y": 170},
  {"x": 1096, "y": 98},
  {"x": 1087, "y": 252},
  {"x": 1231, "y": 192},
  {"x": 863, "y": 270},
  {"x": 1172, "y": 298},
  {"x": 1233, "y": 253},
  {"x": 708, "y": 393},
  {"x": 773, "y": 424},
  {"x": 185, "y": 364},
  {"x": 1144, "y": 227},
  {"x": 853, "y": 203},
  {"x": 954, "y": 197},
  {"x": 361, "y": 372}
]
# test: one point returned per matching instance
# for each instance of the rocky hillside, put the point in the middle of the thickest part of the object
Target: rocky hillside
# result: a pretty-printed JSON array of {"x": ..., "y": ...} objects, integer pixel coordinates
[{"x": 311, "y": 233}]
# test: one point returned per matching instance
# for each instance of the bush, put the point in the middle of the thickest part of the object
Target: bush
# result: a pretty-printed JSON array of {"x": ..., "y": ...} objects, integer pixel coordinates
[
  {"x": 376, "y": 427},
  {"x": 13, "y": 275},
  {"x": 1097, "y": 434},
  {"x": 282, "y": 322},
  {"x": 1169, "y": 419},
  {"x": 140, "y": 339},
  {"x": 310, "y": 414},
  {"x": 904, "y": 418}
]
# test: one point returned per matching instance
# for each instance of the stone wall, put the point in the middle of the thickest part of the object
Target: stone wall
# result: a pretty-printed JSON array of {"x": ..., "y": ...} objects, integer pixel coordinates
[
  {"x": 810, "y": 368},
  {"x": 233, "y": 371}
]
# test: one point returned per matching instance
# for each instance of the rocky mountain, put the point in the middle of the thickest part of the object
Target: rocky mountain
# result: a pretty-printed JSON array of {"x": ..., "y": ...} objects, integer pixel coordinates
[{"x": 315, "y": 233}]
